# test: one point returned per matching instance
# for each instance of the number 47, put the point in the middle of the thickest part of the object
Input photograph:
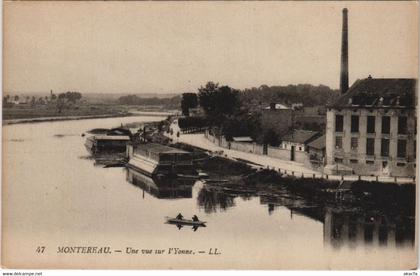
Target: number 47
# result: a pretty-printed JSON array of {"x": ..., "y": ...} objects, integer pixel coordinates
[{"x": 40, "y": 249}]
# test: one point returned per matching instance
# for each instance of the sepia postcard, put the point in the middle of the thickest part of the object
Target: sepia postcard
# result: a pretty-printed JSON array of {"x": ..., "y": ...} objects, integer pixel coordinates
[{"x": 210, "y": 135}]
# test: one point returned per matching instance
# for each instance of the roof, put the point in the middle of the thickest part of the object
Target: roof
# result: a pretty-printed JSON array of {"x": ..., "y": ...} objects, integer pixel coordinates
[
  {"x": 300, "y": 136},
  {"x": 158, "y": 148},
  {"x": 119, "y": 131},
  {"x": 242, "y": 139},
  {"x": 278, "y": 106},
  {"x": 112, "y": 137},
  {"x": 379, "y": 93},
  {"x": 318, "y": 143}
]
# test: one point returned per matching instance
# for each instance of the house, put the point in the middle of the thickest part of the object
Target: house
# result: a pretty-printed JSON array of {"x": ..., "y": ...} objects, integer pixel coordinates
[
  {"x": 297, "y": 140},
  {"x": 316, "y": 150},
  {"x": 371, "y": 128}
]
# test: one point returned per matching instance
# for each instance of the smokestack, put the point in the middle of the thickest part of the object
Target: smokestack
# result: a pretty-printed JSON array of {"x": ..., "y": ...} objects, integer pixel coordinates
[{"x": 344, "y": 76}]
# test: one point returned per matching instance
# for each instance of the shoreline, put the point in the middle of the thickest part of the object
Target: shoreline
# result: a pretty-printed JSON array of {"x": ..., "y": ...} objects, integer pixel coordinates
[
  {"x": 285, "y": 167},
  {"x": 242, "y": 178},
  {"x": 79, "y": 117}
]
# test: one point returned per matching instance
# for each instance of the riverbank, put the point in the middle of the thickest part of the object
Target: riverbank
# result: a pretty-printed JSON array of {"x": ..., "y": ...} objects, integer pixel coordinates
[
  {"x": 82, "y": 117},
  {"x": 285, "y": 167},
  {"x": 63, "y": 118},
  {"x": 239, "y": 178}
]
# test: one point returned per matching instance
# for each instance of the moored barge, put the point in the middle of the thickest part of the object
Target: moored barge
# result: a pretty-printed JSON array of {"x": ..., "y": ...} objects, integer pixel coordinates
[
  {"x": 97, "y": 143},
  {"x": 108, "y": 140},
  {"x": 155, "y": 159}
]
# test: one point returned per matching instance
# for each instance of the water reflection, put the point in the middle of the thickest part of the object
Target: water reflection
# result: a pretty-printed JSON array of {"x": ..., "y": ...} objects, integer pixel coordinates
[
  {"x": 164, "y": 188},
  {"x": 106, "y": 160},
  {"x": 349, "y": 228},
  {"x": 213, "y": 199},
  {"x": 351, "y": 225}
]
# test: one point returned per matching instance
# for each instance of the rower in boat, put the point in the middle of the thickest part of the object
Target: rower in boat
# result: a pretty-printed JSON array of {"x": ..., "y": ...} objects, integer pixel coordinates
[
  {"x": 180, "y": 217},
  {"x": 195, "y": 218}
]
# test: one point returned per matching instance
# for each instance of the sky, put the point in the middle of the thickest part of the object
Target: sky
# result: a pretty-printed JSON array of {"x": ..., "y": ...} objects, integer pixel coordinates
[{"x": 176, "y": 47}]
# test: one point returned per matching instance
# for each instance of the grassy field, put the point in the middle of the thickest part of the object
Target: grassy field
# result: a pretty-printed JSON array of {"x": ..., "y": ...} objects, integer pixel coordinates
[{"x": 28, "y": 112}]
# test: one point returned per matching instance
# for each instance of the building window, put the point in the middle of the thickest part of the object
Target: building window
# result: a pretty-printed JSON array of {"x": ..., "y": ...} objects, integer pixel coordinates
[
  {"x": 386, "y": 123},
  {"x": 354, "y": 161},
  {"x": 370, "y": 162},
  {"x": 402, "y": 125},
  {"x": 338, "y": 160},
  {"x": 370, "y": 146},
  {"x": 338, "y": 123},
  {"x": 338, "y": 142},
  {"x": 354, "y": 143},
  {"x": 354, "y": 123},
  {"x": 370, "y": 124},
  {"x": 384, "y": 147},
  {"x": 402, "y": 148},
  {"x": 401, "y": 164}
]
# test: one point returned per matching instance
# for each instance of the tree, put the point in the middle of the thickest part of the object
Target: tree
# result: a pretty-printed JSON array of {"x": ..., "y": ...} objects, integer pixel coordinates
[
  {"x": 72, "y": 97},
  {"x": 227, "y": 101},
  {"x": 243, "y": 124},
  {"x": 271, "y": 138},
  {"x": 189, "y": 100},
  {"x": 60, "y": 104},
  {"x": 41, "y": 100},
  {"x": 218, "y": 102},
  {"x": 16, "y": 98},
  {"x": 206, "y": 96}
]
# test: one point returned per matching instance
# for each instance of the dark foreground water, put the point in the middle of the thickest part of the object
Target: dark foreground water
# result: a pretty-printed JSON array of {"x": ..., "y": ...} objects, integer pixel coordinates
[{"x": 54, "y": 196}]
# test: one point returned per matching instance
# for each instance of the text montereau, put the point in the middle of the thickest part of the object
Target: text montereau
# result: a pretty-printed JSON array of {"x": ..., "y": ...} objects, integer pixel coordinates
[{"x": 83, "y": 250}]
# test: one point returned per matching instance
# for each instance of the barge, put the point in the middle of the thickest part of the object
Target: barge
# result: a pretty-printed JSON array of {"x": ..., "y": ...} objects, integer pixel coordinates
[
  {"x": 158, "y": 160},
  {"x": 113, "y": 140},
  {"x": 98, "y": 143}
]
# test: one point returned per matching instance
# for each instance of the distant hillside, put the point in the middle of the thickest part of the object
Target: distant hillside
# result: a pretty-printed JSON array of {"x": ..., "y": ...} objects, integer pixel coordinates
[
  {"x": 307, "y": 94},
  {"x": 113, "y": 97},
  {"x": 94, "y": 98},
  {"x": 168, "y": 103}
]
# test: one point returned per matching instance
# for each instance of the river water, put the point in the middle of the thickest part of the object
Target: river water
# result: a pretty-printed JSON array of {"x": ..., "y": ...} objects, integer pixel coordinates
[{"x": 54, "y": 196}]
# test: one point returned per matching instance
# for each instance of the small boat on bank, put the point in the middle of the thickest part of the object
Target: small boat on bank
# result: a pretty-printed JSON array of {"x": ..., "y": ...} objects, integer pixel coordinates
[{"x": 185, "y": 222}]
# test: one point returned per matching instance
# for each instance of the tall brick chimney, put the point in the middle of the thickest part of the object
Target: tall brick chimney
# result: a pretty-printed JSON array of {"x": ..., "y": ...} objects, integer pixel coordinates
[{"x": 344, "y": 75}]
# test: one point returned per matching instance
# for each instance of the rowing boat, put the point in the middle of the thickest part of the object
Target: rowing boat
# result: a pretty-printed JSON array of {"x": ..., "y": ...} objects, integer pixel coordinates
[{"x": 185, "y": 222}]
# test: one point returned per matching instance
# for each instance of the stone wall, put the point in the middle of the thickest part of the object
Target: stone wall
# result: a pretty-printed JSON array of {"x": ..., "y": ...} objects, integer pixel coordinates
[
  {"x": 275, "y": 152},
  {"x": 283, "y": 154},
  {"x": 239, "y": 146}
]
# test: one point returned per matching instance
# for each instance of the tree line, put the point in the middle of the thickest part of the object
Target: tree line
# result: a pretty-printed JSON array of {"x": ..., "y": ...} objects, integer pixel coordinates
[
  {"x": 169, "y": 103},
  {"x": 62, "y": 101}
]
